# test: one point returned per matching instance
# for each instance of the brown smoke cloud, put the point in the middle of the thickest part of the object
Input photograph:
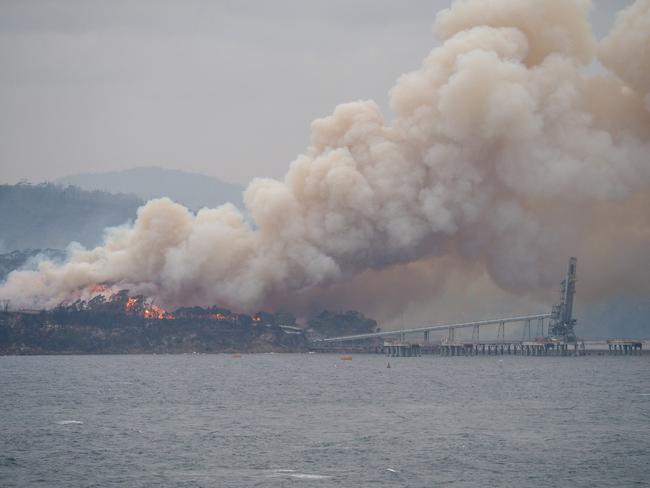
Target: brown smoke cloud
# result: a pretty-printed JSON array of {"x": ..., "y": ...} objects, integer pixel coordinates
[{"x": 503, "y": 158}]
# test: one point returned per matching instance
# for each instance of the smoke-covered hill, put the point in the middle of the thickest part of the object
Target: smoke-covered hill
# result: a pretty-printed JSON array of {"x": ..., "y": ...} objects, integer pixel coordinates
[
  {"x": 193, "y": 190},
  {"x": 27, "y": 259},
  {"x": 50, "y": 216}
]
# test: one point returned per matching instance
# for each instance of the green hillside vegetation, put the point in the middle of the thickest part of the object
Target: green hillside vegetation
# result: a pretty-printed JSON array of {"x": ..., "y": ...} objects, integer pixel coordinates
[{"x": 333, "y": 324}]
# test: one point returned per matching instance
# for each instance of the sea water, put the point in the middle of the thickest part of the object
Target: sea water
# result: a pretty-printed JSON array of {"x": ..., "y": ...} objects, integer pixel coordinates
[{"x": 293, "y": 420}]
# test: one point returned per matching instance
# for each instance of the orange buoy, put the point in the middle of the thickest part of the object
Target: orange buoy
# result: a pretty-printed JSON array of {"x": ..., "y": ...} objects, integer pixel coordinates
[
  {"x": 346, "y": 358},
  {"x": 236, "y": 356}
]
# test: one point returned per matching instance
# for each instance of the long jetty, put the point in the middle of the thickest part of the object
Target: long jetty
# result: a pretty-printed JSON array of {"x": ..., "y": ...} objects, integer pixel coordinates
[{"x": 559, "y": 339}]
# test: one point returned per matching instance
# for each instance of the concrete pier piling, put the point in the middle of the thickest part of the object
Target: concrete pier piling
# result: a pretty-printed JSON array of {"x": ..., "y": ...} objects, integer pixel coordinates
[
  {"x": 402, "y": 349},
  {"x": 624, "y": 347},
  {"x": 521, "y": 348},
  {"x": 541, "y": 347}
]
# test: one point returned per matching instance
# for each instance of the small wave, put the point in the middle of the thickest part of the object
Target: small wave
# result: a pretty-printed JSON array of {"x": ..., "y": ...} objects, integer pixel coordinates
[
  {"x": 304, "y": 476},
  {"x": 70, "y": 422},
  {"x": 291, "y": 473}
]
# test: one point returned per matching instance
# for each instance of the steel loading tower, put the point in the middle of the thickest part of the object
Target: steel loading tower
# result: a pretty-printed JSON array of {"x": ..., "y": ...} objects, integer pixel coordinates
[{"x": 563, "y": 323}]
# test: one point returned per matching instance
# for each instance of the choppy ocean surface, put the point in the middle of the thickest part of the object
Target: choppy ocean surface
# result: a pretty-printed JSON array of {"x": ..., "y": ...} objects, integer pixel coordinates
[{"x": 313, "y": 420}]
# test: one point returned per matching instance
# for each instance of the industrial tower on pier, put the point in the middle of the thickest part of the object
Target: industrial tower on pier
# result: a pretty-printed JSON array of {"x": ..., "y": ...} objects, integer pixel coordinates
[{"x": 563, "y": 323}]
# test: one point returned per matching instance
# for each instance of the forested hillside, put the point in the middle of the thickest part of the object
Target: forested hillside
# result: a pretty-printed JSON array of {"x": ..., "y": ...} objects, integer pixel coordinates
[{"x": 51, "y": 216}]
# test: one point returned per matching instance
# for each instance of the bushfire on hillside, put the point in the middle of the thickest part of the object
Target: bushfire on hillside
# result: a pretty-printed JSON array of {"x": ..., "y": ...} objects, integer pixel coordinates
[{"x": 142, "y": 306}]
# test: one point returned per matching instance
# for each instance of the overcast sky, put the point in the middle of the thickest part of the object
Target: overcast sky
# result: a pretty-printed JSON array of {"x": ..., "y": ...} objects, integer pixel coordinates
[{"x": 226, "y": 88}]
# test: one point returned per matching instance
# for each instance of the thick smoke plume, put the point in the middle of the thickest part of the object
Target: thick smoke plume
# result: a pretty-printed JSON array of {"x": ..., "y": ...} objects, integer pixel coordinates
[{"x": 503, "y": 155}]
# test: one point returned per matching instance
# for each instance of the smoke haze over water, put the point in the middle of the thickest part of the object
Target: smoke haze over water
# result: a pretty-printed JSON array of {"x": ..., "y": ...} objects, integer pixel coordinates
[{"x": 502, "y": 159}]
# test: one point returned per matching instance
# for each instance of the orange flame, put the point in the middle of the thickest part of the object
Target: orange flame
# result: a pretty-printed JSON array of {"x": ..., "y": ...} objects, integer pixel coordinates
[
  {"x": 98, "y": 289},
  {"x": 131, "y": 303},
  {"x": 156, "y": 312}
]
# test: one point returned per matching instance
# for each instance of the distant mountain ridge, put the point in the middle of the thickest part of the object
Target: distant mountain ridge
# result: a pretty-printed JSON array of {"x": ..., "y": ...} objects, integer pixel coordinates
[{"x": 194, "y": 190}]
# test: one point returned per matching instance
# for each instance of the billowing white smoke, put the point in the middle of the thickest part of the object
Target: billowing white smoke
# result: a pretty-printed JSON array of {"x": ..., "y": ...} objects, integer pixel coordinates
[{"x": 502, "y": 154}]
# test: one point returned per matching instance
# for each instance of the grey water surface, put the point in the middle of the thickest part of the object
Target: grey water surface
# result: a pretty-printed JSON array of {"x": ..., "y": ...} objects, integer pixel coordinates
[{"x": 295, "y": 420}]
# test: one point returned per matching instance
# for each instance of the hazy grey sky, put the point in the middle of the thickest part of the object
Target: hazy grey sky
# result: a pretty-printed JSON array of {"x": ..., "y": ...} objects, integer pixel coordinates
[{"x": 227, "y": 88}]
